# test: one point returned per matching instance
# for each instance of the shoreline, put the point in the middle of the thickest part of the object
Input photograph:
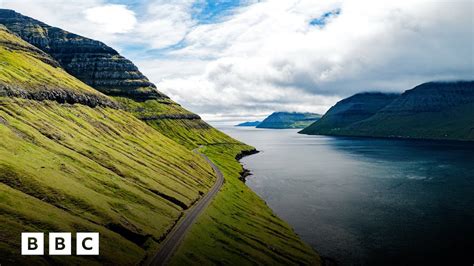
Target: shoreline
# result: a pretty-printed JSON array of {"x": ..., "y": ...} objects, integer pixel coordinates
[{"x": 245, "y": 172}]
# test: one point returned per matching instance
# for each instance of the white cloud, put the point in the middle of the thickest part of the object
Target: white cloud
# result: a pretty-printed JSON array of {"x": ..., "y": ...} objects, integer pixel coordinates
[
  {"x": 111, "y": 18},
  {"x": 166, "y": 22},
  {"x": 266, "y": 56}
]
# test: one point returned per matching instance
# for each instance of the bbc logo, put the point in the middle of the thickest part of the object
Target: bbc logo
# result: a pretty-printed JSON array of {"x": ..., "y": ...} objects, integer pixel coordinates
[{"x": 60, "y": 244}]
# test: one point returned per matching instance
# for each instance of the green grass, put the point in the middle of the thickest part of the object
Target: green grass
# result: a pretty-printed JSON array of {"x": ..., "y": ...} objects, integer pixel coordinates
[
  {"x": 238, "y": 228},
  {"x": 98, "y": 165},
  {"x": 23, "y": 65},
  {"x": 173, "y": 121},
  {"x": 456, "y": 123},
  {"x": 74, "y": 168}
]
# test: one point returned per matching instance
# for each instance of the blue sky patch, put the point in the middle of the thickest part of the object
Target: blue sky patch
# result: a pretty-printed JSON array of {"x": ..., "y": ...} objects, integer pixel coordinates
[
  {"x": 212, "y": 11},
  {"x": 322, "y": 20}
]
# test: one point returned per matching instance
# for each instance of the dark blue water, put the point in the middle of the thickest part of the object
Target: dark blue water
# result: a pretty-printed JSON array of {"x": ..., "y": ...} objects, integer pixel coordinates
[{"x": 368, "y": 201}]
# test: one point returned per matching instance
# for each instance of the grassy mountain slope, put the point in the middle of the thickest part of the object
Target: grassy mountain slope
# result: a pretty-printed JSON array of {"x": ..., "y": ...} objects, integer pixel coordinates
[
  {"x": 239, "y": 228},
  {"x": 282, "y": 120},
  {"x": 80, "y": 163},
  {"x": 27, "y": 72},
  {"x": 100, "y": 168},
  {"x": 104, "y": 69},
  {"x": 348, "y": 111},
  {"x": 433, "y": 110},
  {"x": 175, "y": 122}
]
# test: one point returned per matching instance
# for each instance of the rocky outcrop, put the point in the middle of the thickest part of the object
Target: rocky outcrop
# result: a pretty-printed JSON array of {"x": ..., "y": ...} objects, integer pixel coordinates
[
  {"x": 101, "y": 67},
  {"x": 29, "y": 73},
  {"x": 59, "y": 95},
  {"x": 93, "y": 62},
  {"x": 171, "y": 116}
]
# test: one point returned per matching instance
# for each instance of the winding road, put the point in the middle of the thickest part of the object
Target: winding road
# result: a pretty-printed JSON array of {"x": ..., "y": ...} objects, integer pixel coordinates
[{"x": 174, "y": 238}]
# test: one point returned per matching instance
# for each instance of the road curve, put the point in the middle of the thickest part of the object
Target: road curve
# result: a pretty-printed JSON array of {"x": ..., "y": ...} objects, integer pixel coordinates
[{"x": 174, "y": 238}]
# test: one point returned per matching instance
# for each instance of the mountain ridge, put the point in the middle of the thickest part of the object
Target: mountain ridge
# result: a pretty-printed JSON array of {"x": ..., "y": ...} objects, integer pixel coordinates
[
  {"x": 104, "y": 69},
  {"x": 432, "y": 110},
  {"x": 127, "y": 173}
]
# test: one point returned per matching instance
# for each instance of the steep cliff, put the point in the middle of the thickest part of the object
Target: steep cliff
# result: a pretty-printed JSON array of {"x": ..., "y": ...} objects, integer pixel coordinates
[
  {"x": 91, "y": 61},
  {"x": 282, "y": 120},
  {"x": 69, "y": 165},
  {"x": 104, "y": 69},
  {"x": 45, "y": 81},
  {"x": 433, "y": 110},
  {"x": 72, "y": 159}
]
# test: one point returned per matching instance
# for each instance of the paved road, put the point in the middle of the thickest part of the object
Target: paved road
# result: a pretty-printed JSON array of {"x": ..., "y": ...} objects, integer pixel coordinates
[{"x": 174, "y": 238}]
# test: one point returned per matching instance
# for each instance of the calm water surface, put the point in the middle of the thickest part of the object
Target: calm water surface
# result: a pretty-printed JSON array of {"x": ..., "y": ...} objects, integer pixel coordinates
[{"x": 368, "y": 201}]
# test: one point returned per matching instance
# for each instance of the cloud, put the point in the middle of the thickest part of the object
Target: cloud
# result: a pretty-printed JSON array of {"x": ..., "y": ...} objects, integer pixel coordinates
[
  {"x": 111, "y": 18},
  {"x": 166, "y": 22},
  {"x": 268, "y": 56},
  {"x": 265, "y": 56}
]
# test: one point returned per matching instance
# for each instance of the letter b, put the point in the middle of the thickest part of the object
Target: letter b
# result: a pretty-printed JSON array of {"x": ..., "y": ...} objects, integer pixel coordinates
[
  {"x": 32, "y": 243},
  {"x": 60, "y": 244}
]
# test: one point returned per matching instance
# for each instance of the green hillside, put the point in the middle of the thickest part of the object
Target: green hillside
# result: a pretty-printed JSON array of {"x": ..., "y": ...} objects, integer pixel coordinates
[
  {"x": 73, "y": 159},
  {"x": 104, "y": 69},
  {"x": 349, "y": 111},
  {"x": 68, "y": 167},
  {"x": 239, "y": 228},
  {"x": 282, "y": 120},
  {"x": 433, "y": 110}
]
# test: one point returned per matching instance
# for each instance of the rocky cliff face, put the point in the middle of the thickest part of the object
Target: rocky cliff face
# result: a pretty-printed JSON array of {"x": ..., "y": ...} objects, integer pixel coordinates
[
  {"x": 93, "y": 62},
  {"x": 29, "y": 73},
  {"x": 433, "y": 110},
  {"x": 350, "y": 110},
  {"x": 105, "y": 70}
]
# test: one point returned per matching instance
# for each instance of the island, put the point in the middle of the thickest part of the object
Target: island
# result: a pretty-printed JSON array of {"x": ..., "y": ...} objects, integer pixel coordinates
[{"x": 286, "y": 120}]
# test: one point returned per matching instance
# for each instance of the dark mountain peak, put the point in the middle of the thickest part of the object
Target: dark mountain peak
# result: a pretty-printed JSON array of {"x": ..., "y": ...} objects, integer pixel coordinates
[
  {"x": 351, "y": 110},
  {"x": 363, "y": 103},
  {"x": 91, "y": 61},
  {"x": 362, "y": 96},
  {"x": 433, "y": 97}
]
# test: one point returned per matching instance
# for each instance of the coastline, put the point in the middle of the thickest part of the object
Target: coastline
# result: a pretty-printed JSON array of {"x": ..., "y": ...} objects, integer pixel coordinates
[{"x": 245, "y": 172}]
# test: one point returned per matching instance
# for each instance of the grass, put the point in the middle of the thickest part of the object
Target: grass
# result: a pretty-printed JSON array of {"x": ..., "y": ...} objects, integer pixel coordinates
[
  {"x": 238, "y": 228},
  {"x": 23, "y": 65},
  {"x": 75, "y": 168},
  {"x": 173, "y": 121},
  {"x": 101, "y": 166}
]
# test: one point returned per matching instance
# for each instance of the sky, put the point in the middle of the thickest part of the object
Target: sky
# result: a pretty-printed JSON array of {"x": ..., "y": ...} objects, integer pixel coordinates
[{"x": 243, "y": 59}]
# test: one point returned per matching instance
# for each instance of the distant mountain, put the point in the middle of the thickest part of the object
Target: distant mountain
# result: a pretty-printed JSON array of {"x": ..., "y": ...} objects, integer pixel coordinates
[
  {"x": 282, "y": 120},
  {"x": 350, "y": 110},
  {"x": 248, "y": 124},
  {"x": 433, "y": 110}
]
